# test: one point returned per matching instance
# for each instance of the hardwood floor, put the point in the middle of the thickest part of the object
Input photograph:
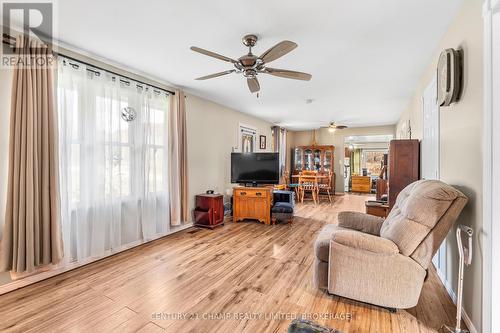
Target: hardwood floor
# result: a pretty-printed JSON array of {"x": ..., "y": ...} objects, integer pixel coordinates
[{"x": 245, "y": 268}]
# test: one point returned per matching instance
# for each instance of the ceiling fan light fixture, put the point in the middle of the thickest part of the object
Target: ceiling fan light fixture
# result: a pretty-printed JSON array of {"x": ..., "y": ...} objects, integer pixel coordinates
[
  {"x": 331, "y": 129},
  {"x": 249, "y": 73}
]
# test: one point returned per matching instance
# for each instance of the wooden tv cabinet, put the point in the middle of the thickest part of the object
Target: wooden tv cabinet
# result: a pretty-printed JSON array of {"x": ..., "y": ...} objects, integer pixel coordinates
[{"x": 253, "y": 203}]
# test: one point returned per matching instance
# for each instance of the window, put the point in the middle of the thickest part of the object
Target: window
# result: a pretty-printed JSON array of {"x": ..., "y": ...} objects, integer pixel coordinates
[
  {"x": 113, "y": 169},
  {"x": 372, "y": 161},
  {"x": 247, "y": 138}
]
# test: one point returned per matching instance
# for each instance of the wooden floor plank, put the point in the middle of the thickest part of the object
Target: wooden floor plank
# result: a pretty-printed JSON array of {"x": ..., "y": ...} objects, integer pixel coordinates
[{"x": 263, "y": 274}]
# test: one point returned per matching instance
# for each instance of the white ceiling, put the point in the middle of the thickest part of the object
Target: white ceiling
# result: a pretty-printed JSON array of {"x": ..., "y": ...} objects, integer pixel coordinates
[{"x": 365, "y": 57}]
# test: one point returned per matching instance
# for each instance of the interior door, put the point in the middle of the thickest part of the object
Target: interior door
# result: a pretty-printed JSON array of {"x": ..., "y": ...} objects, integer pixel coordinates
[{"x": 430, "y": 152}]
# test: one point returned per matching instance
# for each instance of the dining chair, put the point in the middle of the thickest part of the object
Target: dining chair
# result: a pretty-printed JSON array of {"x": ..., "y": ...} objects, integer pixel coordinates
[
  {"x": 325, "y": 185},
  {"x": 308, "y": 184},
  {"x": 293, "y": 185}
]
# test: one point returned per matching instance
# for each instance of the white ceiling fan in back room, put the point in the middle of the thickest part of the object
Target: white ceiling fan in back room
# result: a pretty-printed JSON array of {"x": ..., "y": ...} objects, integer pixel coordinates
[
  {"x": 251, "y": 65},
  {"x": 333, "y": 126}
]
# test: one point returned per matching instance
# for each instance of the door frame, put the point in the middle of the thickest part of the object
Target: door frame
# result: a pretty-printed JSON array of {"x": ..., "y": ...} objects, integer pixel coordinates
[
  {"x": 491, "y": 167},
  {"x": 433, "y": 82},
  {"x": 440, "y": 259}
]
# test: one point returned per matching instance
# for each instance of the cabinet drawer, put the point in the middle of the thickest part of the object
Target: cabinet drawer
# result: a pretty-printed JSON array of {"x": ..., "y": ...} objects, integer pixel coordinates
[
  {"x": 251, "y": 193},
  {"x": 361, "y": 180},
  {"x": 361, "y": 188}
]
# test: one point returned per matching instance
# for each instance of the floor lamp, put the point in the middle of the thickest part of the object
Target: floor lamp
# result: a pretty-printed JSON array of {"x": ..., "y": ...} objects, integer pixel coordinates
[{"x": 465, "y": 254}]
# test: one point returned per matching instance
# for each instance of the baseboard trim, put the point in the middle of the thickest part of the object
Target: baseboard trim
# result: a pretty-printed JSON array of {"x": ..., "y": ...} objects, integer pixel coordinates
[
  {"x": 43, "y": 275},
  {"x": 447, "y": 285}
]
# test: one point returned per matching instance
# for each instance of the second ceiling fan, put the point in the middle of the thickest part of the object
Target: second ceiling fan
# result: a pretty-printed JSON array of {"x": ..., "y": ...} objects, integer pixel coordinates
[
  {"x": 333, "y": 126},
  {"x": 251, "y": 65}
]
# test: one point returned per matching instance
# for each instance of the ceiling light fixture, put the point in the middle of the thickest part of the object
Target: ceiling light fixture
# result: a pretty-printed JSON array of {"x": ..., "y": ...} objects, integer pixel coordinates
[{"x": 332, "y": 127}]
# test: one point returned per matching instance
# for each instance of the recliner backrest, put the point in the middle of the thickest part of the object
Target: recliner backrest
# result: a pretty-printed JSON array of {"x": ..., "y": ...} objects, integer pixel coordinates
[{"x": 423, "y": 214}]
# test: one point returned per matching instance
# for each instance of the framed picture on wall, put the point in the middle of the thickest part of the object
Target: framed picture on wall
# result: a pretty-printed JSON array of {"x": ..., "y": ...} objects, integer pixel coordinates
[{"x": 262, "y": 141}]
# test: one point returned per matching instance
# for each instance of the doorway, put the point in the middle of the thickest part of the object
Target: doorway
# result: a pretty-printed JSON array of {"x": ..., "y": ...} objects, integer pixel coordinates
[{"x": 364, "y": 160}]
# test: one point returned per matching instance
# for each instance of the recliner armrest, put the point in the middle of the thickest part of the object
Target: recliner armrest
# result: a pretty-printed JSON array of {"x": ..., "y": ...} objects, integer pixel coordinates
[
  {"x": 362, "y": 241},
  {"x": 361, "y": 222}
]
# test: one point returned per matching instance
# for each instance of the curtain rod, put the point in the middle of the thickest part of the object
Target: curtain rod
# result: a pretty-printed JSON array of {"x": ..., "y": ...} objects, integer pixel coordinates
[
  {"x": 114, "y": 73},
  {"x": 10, "y": 40}
]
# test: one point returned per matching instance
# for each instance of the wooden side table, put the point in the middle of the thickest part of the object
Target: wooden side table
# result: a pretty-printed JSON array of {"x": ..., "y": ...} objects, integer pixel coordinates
[
  {"x": 377, "y": 209},
  {"x": 209, "y": 211}
]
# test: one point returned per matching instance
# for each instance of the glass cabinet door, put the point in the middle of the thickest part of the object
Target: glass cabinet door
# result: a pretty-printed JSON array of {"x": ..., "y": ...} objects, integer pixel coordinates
[
  {"x": 298, "y": 159},
  {"x": 327, "y": 163},
  {"x": 308, "y": 159},
  {"x": 317, "y": 160}
]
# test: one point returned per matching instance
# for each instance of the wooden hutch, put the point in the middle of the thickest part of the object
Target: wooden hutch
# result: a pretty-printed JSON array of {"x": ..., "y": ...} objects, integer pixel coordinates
[
  {"x": 314, "y": 158},
  {"x": 404, "y": 166}
]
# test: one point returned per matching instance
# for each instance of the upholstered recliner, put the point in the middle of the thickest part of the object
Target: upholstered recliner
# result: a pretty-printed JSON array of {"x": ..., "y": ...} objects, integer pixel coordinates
[{"x": 384, "y": 262}]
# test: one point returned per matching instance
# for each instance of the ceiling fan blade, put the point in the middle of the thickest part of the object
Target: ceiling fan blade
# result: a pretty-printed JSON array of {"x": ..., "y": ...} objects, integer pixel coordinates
[
  {"x": 253, "y": 85},
  {"x": 212, "y": 54},
  {"x": 278, "y": 50},
  {"x": 288, "y": 74},
  {"x": 215, "y": 75},
  {"x": 340, "y": 127}
]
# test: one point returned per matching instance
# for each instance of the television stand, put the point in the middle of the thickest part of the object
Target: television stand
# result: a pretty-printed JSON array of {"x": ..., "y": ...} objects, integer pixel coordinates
[{"x": 253, "y": 203}]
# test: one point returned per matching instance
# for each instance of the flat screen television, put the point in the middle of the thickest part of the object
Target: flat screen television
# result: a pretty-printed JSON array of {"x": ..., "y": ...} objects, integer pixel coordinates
[{"x": 255, "y": 168}]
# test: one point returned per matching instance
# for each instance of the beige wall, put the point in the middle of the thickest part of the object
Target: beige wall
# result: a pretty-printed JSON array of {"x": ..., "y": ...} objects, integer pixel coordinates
[
  {"x": 323, "y": 137},
  {"x": 5, "y": 92},
  {"x": 461, "y": 142},
  {"x": 212, "y": 134}
]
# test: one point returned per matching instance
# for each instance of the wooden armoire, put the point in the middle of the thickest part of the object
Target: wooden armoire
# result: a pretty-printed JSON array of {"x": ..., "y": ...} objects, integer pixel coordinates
[{"x": 404, "y": 166}]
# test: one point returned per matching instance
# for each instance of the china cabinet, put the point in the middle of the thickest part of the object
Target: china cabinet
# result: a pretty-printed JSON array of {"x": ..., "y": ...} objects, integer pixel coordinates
[
  {"x": 313, "y": 158},
  {"x": 317, "y": 158}
]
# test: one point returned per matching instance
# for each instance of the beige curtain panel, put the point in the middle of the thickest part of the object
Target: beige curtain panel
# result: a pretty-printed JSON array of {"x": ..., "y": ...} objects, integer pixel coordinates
[
  {"x": 32, "y": 230},
  {"x": 178, "y": 160}
]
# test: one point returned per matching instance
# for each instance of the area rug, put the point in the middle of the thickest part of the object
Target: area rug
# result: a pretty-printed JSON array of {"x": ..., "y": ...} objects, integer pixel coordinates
[{"x": 306, "y": 326}]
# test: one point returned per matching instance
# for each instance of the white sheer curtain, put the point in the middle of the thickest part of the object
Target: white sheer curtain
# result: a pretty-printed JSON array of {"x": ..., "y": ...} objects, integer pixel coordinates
[{"x": 113, "y": 172}]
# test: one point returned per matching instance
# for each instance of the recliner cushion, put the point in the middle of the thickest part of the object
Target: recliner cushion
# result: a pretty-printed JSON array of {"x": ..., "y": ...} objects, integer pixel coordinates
[
  {"x": 418, "y": 209},
  {"x": 365, "y": 242}
]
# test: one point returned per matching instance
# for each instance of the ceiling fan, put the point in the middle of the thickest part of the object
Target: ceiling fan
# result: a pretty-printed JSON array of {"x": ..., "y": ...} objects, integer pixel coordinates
[
  {"x": 250, "y": 65},
  {"x": 332, "y": 127}
]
